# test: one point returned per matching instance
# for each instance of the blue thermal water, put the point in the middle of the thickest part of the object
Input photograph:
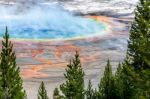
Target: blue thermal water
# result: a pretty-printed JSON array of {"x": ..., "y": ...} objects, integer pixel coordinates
[{"x": 46, "y": 22}]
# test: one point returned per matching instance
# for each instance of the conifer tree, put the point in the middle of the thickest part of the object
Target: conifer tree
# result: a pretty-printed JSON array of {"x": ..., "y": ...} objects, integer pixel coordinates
[
  {"x": 136, "y": 67},
  {"x": 56, "y": 94},
  {"x": 42, "y": 93},
  {"x": 89, "y": 91},
  {"x": 106, "y": 87},
  {"x": 10, "y": 80},
  {"x": 139, "y": 41},
  {"x": 119, "y": 83},
  {"x": 73, "y": 88}
]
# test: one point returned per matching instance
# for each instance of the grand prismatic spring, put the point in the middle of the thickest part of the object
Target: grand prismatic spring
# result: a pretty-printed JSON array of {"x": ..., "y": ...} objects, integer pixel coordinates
[
  {"x": 49, "y": 22},
  {"x": 46, "y": 36}
]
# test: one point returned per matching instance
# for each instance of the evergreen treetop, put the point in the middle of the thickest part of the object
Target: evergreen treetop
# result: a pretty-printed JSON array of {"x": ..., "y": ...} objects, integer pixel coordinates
[
  {"x": 136, "y": 66},
  {"x": 42, "y": 93},
  {"x": 10, "y": 83},
  {"x": 107, "y": 84},
  {"x": 56, "y": 94},
  {"x": 73, "y": 88},
  {"x": 89, "y": 91},
  {"x": 139, "y": 39}
]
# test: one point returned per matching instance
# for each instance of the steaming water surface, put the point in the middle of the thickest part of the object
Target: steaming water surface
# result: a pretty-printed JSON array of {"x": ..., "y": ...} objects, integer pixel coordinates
[{"x": 47, "y": 22}]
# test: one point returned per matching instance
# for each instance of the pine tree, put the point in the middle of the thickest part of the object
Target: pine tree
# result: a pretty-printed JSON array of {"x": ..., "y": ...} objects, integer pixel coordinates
[
  {"x": 56, "y": 94},
  {"x": 42, "y": 93},
  {"x": 10, "y": 80},
  {"x": 139, "y": 41},
  {"x": 106, "y": 87},
  {"x": 119, "y": 83},
  {"x": 89, "y": 91},
  {"x": 136, "y": 67},
  {"x": 73, "y": 88},
  {"x": 128, "y": 85}
]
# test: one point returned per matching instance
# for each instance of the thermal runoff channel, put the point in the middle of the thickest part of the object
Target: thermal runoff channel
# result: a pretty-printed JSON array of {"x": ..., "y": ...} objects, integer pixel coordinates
[{"x": 47, "y": 22}]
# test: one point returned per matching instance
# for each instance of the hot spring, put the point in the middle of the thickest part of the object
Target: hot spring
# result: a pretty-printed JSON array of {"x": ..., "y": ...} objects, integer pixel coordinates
[
  {"x": 46, "y": 60},
  {"x": 47, "y": 22}
]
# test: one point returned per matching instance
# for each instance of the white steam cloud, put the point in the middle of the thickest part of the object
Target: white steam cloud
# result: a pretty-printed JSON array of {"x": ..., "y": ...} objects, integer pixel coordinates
[{"x": 44, "y": 22}]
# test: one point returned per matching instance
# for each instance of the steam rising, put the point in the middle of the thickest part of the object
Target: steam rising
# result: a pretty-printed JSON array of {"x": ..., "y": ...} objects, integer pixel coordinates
[{"x": 43, "y": 21}]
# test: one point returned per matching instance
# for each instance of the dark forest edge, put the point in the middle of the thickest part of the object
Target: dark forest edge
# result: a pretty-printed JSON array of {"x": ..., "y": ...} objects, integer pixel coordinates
[{"x": 131, "y": 80}]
